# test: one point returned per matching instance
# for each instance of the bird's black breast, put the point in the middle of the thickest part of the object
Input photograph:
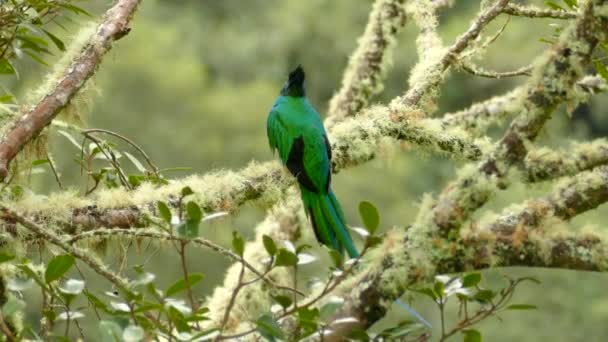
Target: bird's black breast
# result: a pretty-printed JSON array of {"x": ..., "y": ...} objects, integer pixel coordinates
[{"x": 295, "y": 164}]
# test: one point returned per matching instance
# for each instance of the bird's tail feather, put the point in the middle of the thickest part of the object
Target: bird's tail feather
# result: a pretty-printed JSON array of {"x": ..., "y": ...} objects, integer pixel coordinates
[
  {"x": 330, "y": 229},
  {"x": 328, "y": 221}
]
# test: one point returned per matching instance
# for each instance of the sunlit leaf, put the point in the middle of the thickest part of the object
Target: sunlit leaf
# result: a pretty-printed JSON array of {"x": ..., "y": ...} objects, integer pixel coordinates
[
  {"x": 164, "y": 211},
  {"x": 144, "y": 279},
  {"x": 6, "y": 67},
  {"x": 182, "y": 285},
  {"x": 286, "y": 258},
  {"x": 214, "y": 216},
  {"x": 369, "y": 216},
  {"x": 179, "y": 305},
  {"x": 305, "y": 258},
  {"x": 186, "y": 191},
  {"x": 123, "y": 307},
  {"x": 72, "y": 287},
  {"x": 58, "y": 266},
  {"x": 471, "y": 335},
  {"x": 268, "y": 327},
  {"x": 70, "y": 138},
  {"x": 58, "y": 42},
  {"x": 138, "y": 165},
  {"x": 269, "y": 245},
  {"x": 553, "y": 5},
  {"x": 238, "y": 244},
  {"x": 471, "y": 279},
  {"x": 70, "y": 315},
  {"x": 360, "y": 231},
  {"x": 194, "y": 212}
]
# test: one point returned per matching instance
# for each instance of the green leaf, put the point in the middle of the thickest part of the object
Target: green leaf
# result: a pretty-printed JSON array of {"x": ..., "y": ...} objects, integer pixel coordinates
[
  {"x": 188, "y": 229},
  {"x": 471, "y": 335},
  {"x": 39, "y": 162},
  {"x": 369, "y": 215},
  {"x": 58, "y": 43},
  {"x": 7, "y": 98},
  {"x": 283, "y": 301},
  {"x": 75, "y": 9},
  {"x": 429, "y": 292},
  {"x": 485, "y": 296},
  {"x": 70, "y": 138},
  {"x": 571, "y": 3},
  {"x": 308, "y": 319},
  {"x": 182, "y": 285},
  {"x": 286, "y": 258},
  {"x": 96, "y": 302},
  {"x": 135, "y": 162},
  {"x": 164, "y": 211},
  {"x": 553, "y": 5},
  {"x": 6, "y": 67},
  {"x": 5, "y": 257},
  {"x": 336, "y": 258},
  {"x": 402, "y": 329},
  {"x": 186, "y": 191},
  {"x": 372, "y": 241},
  {"x": 601, "y": 69},
  {"x": 471, "y": 279},
  {"x": 58, "y": 266},
  {"x": 269, "y": 245},
  {"x": 238, "y": 244},
  {"x": 439, "y": 288},
  {"x": 269, "y": 328},
  {"x": 521, "y": 307},
  {"x": 194, "y": 212}
]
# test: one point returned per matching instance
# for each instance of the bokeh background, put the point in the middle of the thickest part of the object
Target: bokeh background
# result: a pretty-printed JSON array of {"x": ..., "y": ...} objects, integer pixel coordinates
[{"x": 194, "y": 80}]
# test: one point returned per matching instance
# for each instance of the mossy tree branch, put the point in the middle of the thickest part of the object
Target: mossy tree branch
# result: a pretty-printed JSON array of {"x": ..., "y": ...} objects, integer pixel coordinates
[
  {"x": 553, "y": 82},
  {"x": 367, "y": 66},
  {"x": 28, "y": 126}
]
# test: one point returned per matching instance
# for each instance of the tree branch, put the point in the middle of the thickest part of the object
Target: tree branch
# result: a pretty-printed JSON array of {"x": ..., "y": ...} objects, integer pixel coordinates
[
  {"x": 535, "y": 12},
  {"x": 367, "y": 66},
  {"x": 427, "y": 75},
  {"x": 26, "y": 127},
  {"x": 555, "y": 77},
  {"x": 546, "y": 163}
]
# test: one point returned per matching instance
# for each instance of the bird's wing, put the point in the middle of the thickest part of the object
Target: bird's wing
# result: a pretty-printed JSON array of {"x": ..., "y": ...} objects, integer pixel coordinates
[
  {"x": 279, "y": 137},
  {"x": 316, "y": 158}
]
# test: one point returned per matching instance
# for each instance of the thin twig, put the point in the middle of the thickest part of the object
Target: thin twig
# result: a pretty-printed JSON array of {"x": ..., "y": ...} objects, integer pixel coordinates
[
  {"x": 128, "y": 141},
  {"x": 535, "y": 12}
]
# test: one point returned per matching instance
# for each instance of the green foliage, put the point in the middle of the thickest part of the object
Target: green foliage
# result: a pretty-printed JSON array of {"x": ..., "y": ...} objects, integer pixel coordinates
[{"x": 58, "y": 266}]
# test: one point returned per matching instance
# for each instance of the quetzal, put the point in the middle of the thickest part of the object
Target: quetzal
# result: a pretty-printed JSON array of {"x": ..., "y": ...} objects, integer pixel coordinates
[{"x": 295, "y": 130}]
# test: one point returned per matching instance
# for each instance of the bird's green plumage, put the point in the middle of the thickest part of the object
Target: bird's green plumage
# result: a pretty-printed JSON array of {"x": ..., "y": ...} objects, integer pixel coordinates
[{"x": 296, "y": 132}]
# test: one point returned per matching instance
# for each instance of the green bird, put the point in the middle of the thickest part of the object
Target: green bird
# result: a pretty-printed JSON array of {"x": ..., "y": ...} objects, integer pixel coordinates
[{"x": 295, "y": 130}]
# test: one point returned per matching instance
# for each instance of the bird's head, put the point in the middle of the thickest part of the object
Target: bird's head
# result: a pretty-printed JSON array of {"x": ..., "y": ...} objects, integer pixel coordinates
[{"x": 295, "y": 83}]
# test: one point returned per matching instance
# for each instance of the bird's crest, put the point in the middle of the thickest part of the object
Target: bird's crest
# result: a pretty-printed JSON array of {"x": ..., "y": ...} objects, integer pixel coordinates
[{"x": 295, "y": 83}]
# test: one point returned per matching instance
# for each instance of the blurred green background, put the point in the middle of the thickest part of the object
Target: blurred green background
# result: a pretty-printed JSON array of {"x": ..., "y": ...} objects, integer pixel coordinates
[{"x": 193, "y": 83}]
